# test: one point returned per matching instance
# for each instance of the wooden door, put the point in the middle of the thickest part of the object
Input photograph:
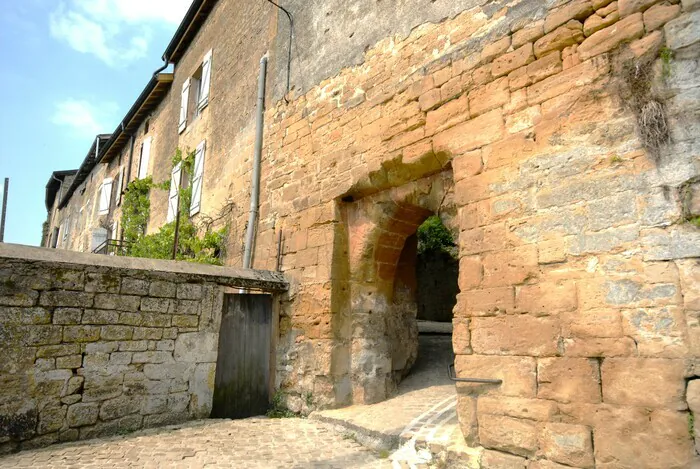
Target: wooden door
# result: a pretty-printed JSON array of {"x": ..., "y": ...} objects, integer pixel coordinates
[{"x": 242, "y": 386}]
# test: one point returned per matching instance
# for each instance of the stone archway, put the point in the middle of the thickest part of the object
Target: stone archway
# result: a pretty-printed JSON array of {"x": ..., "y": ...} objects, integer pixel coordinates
[{"x": 379, "y": 329}]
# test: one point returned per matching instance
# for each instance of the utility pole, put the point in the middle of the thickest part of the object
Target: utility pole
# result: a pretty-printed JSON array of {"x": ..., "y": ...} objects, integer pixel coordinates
[{"x": 3, "y": 214}]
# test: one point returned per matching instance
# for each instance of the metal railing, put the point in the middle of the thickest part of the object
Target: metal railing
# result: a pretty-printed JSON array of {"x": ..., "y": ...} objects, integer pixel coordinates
[{"x": 113, "y": 247}]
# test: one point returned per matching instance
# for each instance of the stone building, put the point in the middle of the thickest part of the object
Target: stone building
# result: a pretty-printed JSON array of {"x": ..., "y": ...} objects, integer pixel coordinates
[{"x": 562, "y": 135}]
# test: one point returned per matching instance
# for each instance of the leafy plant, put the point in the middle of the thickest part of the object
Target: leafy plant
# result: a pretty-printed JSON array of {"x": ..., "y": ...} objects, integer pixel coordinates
[
  {"x": 278, "y": 410},
  {"x": 195, "y": 243},
  {"x": 666, "y": 56},
  {"x": 433, "y": 236}
]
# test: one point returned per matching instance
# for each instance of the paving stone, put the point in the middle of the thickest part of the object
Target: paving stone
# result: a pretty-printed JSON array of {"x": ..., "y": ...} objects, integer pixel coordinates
[{"x": 249, "y": 443}]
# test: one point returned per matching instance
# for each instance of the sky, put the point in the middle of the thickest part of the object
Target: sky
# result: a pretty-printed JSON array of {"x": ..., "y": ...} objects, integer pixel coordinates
[{"x": 70, "y": 69}]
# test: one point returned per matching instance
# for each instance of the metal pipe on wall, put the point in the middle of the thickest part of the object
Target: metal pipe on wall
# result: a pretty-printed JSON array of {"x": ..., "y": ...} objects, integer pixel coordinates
[{"x": 257, "y": 158}]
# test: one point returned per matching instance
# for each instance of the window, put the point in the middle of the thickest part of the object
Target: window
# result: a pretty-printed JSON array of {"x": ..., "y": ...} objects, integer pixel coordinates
[
  {"x": 204, "y": 79},
  {"x": 105, "y": 196},
  {"x": 183, "y": 104},
  {"x": 174, "y": 192},
  {"x": 197, "y": 179},
  {"x": 199, "y": 82},
  {"x": 145, "y": 157},
  {"x": 146, "y": 126}
]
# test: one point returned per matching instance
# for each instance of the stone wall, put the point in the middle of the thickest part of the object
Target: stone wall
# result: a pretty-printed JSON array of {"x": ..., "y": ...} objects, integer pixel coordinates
[
  {"x": 95, "y": 345},
  {"x": 577, "y": 265}
]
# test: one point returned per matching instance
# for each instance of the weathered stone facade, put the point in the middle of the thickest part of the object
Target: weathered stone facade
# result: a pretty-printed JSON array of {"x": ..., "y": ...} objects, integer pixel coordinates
[
  {"x": 92, "y": 349},
  {"x": 578, "y": 266}
]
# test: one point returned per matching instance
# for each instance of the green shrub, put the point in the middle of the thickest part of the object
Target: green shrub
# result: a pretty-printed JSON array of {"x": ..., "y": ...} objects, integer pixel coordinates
[{"x": 433, "y": 236}]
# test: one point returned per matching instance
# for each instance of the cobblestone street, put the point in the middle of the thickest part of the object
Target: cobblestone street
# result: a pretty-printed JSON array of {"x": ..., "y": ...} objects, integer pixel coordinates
[{"x": 250, "y": 443}]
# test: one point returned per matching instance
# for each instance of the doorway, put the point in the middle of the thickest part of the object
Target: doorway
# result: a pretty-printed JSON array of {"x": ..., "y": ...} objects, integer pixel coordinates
[{"x": 242, "y": 383}]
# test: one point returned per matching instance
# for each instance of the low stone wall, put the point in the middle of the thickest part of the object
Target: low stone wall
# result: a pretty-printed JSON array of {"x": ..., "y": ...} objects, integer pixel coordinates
[{"x": 95, "y": 345}]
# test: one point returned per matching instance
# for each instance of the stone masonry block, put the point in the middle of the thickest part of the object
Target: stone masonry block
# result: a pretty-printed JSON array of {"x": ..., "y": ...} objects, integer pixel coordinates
[
  {"x": 41, "y": 335},
  {"x": 111, "y": 301},
  {"x": 683, "y": 31},
  {"x": 152, "y": 357},
  {"x": 497, "y": 460},
  {"x": 568, "y": 379},
  {"x": 156, "y": 320},
  {"x": 188, "y": 307},
  {"x": 517, "y": 407},
  {"x": 471, "y": 135},
  {"x": 150, "y": 333},
  {"x": 196, "y": 347},
  {"x": 185, "y": 320},
  {"x": 66, "y": 298},
  {"x": 516, "y": 436},
  {"x": 65, "y": 279},
  {"x": 52, "y": 351},
  {"x": 116, "y": 332},
  {"x": 518, "y": 375},
  {"x": 67, "y": 315},
  {"x": 82, "y": 414},
  {"x": 606, "y": 39},
  {"x": 546, "y": 298},
  {"x": 100, "y": 316},
  {"x": 157, "y": 305},
  {"x": 134, "y": 286},
  {"x": 520, "y": 334},
  {"x": 564, "y": 36},
  {"x": 162, "y": 289},
  {"x": 119, "y": 407},
  {"x": 102, "y": 283},
  {"x": 81, "y": 333},
  {"x": 189, "y": 291},
  {"x": 51, "y": 419},
  {"x": 512, "y": 267},
  {"x": 646, "y": 382},
  {"x": 567, "y": 444},
  {"x": 574, "y": 10},
  {"x": 69, "y": 362}
]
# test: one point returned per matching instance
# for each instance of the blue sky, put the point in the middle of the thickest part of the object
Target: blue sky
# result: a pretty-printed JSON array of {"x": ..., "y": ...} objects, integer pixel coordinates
[{"x": 70, "y": 69}]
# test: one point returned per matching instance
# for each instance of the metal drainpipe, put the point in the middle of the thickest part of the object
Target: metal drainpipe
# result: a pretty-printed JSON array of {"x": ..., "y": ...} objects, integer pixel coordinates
[{"x": 255, "y": 186}]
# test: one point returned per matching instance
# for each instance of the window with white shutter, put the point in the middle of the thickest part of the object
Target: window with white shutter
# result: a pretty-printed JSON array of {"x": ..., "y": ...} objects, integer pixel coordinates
[
  {"x": 204, "y": 82},
  {"x": 183, "y": 105},
  {"x": 120, "y": 182},
  {"x": 145, "y": 157},
  {"x": 105, "y": 196},
  {"x": 174, "y": 190},
  {"x": 198, "y": 175}
]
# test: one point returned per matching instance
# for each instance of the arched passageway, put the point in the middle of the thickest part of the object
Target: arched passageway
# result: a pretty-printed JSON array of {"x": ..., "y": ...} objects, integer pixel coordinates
[{"x": 378, "y": 324}]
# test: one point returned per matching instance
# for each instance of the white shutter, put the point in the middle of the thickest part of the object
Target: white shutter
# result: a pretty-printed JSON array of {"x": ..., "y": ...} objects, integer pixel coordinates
[
  {"x": 204, "y": 82},
  {"x": 174, "y": 189},
  {"x": 197, "y": 179},
  {"x": 120, "y": 182},
  {"x": 183, "y": 105},
  {"x": 105, "y": 196},
  {"x": 145, "y": 157}
]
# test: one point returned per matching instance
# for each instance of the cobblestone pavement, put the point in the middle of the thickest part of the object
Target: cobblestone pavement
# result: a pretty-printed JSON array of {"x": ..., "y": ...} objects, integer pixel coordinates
[
  {"x": 250, "y": 443},
  {"x": 424, "y": 409}
]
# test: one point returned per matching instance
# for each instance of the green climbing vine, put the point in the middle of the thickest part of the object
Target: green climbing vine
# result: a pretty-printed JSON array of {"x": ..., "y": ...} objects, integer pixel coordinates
[{"x": 196, "y": 242}]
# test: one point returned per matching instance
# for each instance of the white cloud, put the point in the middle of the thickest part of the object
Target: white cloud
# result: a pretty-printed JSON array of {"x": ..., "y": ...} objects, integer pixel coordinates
[
  {"x": 115, "y": 31},
  {"x": 83, "y": 117}
]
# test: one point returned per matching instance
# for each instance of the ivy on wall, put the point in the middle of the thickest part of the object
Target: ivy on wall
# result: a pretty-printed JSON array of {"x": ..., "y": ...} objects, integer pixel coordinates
[{"x": 196, "y": 242}]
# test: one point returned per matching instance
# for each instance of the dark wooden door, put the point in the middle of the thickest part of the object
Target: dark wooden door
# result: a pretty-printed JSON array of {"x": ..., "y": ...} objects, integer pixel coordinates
[{"x": 242, "y": 386}]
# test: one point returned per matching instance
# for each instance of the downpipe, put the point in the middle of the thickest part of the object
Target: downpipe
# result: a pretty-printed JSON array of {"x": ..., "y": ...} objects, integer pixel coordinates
[{"x": 257, "y": 158}]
